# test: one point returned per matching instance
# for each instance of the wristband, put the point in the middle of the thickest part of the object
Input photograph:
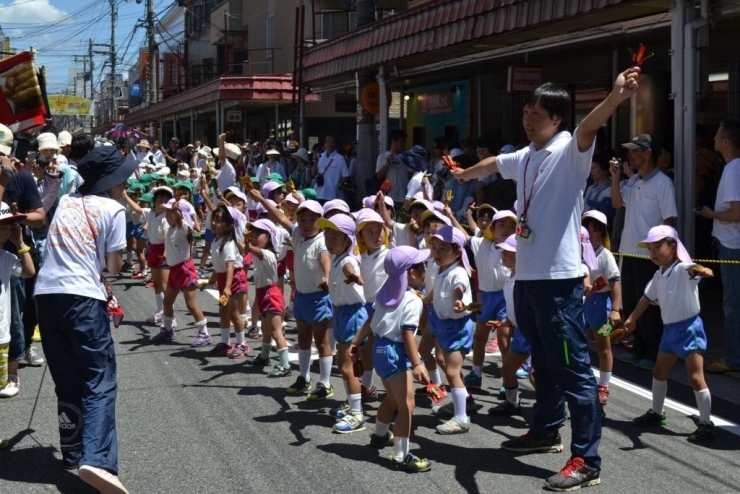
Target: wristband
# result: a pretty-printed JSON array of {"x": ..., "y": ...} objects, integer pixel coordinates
[{"x": 24, "y": 250}]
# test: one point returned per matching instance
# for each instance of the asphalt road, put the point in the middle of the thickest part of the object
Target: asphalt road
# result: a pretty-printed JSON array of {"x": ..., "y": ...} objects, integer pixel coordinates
[{"x": 192, "y": 424}]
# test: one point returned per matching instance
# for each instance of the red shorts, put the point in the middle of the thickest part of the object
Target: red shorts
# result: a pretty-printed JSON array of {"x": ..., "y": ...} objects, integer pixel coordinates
[
  {"x": 289, "y": 260},
  {"x": 281, "y": 269},
  {"x": 247, "y": 259},
  {"x": 270, "y": 299},
  {"x": 238, "y": 282},
  {"x": 182, "y": 276},
  {"x": 155, "y": 256}
]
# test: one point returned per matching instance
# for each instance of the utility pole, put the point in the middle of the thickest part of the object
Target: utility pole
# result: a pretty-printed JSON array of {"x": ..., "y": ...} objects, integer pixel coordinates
[
  {"x": 92, "y": 68},
  {"x": 113, "y": 13},
  {"x": 85, "y": 74},
  {"x": 153, "y": 67}
]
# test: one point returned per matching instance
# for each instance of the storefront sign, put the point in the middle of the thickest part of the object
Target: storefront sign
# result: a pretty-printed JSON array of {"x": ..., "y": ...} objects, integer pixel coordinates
[
  {"x": 62, "y": 104},
  {"x": 371, "y": 98},
  {"x": 525, "y": 78},
  {"x": 345, "y": 103},
  {"x": 436, "y": 102}
]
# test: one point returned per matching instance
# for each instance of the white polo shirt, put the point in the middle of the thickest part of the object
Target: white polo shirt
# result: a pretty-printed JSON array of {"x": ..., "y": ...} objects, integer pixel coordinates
[
  {"x": 509, "y": 298},
  {"x": 158, "y": 226},
  {"x": 676, "y": 293},
  {"x": 398, "y": 175},
  {"x": 728, "y": 233},
  {"x": 343, "y": 293},
  {"x": 607, "y": 268},
  {"x": 444, "y": 287},
  {"x": 555, "y": 179},
  {"x": 226, "y": 176},
  {"x": 431, "y": 275},
  {"x": 391, "y": 323},
  {"x": 265, "y": 269},
  {"x": 176, "y": 245},
  {"x": 373, "y": 273},
  {"x": 230, "y": 253},
  {"x": 307, "y": 265},
  {"x": 333, "y": 168},
  {"x": 649, "y": 201},
  {"x": 491, "y": 273}
]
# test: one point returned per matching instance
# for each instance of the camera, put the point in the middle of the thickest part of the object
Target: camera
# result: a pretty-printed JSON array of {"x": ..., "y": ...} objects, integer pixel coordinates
[{"x": 42, "y": 162}]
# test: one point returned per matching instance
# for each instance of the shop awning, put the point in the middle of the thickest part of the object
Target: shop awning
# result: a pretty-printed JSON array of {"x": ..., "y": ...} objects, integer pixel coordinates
[
  {"x": 255, "y": 89},
  {"x": 445, "y": 29}
]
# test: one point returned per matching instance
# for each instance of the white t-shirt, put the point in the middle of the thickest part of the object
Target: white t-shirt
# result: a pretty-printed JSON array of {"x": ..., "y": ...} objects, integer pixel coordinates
[
  {"x": 675, "y": 292},
  {"x": 607, "y": 268},
  {"x": 282, "y": 236},
  {"x": 415, "y": 186},
  {"x": 509, "y": 298},
  {"x": 491, "y": 273},
  {"x": 397, "y": 174},
  {"x": 158, "y": 226},
  {"x": 342, "y": 293},
  {"x": 230, "y": 254},
  {"x": 728, "y": 233},
  {"x": 72, "y": 262},
  {"x": 555, "y": 178},
  {"x": 226, "y": 176},
  {"x": 649, "y": 202},
  {"x": 307, "y": 265},
  {"x": 400, "y": 235},
  {"x": 444, "y": 287},
  {"x": 140, "y": 218},
  {"x": 265, "y": 269},
  {"x": 373, "y": 273},
  {"x": 431, "y": 275},
  {"x": 333, "y": 168},
  {"x": 391, "y": 323},
  {"x": 10, "y": 265},
  {"x": 176, "y": 245}
]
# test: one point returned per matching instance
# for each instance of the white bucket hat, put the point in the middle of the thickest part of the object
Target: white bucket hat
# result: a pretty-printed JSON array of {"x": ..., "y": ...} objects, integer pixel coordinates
[
  {"x": 47, "y": 140},
  {"x": 64, "y": 139}
]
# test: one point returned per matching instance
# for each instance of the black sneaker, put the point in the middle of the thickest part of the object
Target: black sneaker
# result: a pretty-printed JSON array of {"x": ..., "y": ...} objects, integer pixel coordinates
[
  {"x": 530, "y": 444},
  {"x": 381, "y": 442},
  {"x": 650, "y": 419},
  {"x": 705, "y": 432},
  {"x": 574, "y": 475},
  {"x": 259, "y": 361},
  {"x": 320, "y": 392},
  {"x": 300, "y": 386},
  {"x": 411, "y": 464},
  {"x": 505, "y": 409}
]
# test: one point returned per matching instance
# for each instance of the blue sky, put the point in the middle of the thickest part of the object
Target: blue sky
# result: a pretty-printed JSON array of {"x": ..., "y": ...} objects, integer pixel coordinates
[{"x": 59, "y": 29}]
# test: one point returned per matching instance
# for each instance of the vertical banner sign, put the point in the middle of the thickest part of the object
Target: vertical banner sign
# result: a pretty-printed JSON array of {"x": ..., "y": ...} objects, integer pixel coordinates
[{"x": 21, "y": 95}]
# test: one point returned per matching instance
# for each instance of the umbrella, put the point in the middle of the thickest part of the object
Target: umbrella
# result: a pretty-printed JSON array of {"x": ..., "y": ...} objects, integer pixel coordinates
[{"x": 121, "y": 132}]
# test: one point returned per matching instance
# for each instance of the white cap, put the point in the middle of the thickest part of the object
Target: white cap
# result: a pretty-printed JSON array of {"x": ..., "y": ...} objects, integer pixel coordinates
[{"x": 6, "y": 140}]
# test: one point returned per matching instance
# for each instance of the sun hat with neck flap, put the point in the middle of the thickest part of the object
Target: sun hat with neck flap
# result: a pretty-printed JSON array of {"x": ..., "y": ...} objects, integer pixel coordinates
[{"x": 102, "y": 169}]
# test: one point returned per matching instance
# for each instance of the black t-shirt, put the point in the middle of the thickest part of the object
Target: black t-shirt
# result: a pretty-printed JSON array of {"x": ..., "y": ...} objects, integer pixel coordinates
[{"x": 22, "y": 190}]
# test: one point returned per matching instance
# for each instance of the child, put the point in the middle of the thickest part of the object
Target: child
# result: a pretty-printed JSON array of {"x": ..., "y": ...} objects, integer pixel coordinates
[
  {"x": 268, "y": 297},
  {"x": 145, "y": 203},
  {"x": 480, "y": 222},
  {"x": 372, "y": 242},
  {"x": 675, "y": 287},
  {"x": 492, "y": 275},
  {"x": 519, "y": 350},
  {"x": 10, "y": 265},
  {"x": 401, "y": 234},
  {"x": 454, "y": 331},
  {"x": 182, "y": 276},
  {"x": 398, "y": 310},
  {"x": 133, "y": 219},
  {"x": 230, "y": 280},
  {"x": 156, "y": 229},
  {"x": 603, "y": 297},
  {"x": 348, "y": 299}
]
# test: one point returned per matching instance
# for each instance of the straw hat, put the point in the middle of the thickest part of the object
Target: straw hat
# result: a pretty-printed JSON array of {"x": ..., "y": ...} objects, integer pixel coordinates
[{"x": 144, "y": 144}]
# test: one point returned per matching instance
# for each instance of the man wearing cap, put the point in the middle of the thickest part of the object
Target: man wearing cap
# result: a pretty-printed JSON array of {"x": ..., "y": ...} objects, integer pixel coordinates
[
  {"x": 174, "y": 154},
  {"x": 551, "y": 177},
  {"x": 86, "y": 235},
  {"x": 650, "y": 200},
  {"x": 329, "y": 170}
]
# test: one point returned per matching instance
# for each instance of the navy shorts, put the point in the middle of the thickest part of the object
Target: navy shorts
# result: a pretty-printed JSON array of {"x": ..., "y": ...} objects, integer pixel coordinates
[
  {"x": 684, "y": 337},
  {"x": 494, "y": 307},
  {"x": 389, "y": 358},
  {"x": 348, "y": 321},
  {"x": 454, "y": 334},
  {"x": 312, "y": 308},
  {"x": 519, "y": 343},
  {"x": 209, "y": 236},
  {"x": 129, "y": 229},
  {"x": 139, "y": 233},
  {"x": 596, "y": 310}
]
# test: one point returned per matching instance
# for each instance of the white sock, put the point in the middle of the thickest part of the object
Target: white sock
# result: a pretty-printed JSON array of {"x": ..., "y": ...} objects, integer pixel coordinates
[
  {"x": 225, "y": 335},
  {"x": 660, "y": 389},
  {"x": 239, "y": 338},
  {"x": 325, "y": 370},
  {"x": 367, "y": 379},
  {"x": 167, "y": 322},
  {"x": 512, "y": 395},
  {"x": 159, "y": 298},
  {"x": 304, "y": 362},
  {"x": 400, "y": 447},
  {"x": 435, "y": 377},
  {"x": 202, "y": 326},
  {"x": 459, "y": 396},
  {"x": 355, "y": 403},
  {"x": 129, "y": 256},
  {"x": 704, "y": 404},
  {"x": 477, "y": 370},
  {"x": 381, "y": 428},
  {"x": 604, "y": 378}
]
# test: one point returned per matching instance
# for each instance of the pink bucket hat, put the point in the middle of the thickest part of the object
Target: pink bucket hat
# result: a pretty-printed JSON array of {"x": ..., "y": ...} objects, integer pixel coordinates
[
  {"x": 658, "y": 233},
  {"x": 396, "y": 264},
  {"x": 452, "y": 235}
]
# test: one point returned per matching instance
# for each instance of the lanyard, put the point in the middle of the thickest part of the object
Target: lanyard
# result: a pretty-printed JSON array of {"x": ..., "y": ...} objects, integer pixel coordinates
[{"x": 528, "y": 200}]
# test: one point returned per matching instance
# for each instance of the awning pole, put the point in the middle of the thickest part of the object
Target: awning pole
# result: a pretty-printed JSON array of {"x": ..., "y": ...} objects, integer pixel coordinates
[
  {"x": 677, "y": 83},
  {"x": 383, "y": 97}
]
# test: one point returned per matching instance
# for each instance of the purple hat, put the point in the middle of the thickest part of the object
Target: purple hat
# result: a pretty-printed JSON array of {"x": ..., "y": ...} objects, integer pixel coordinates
[
  {"x": 295, "y": 197},
  {"x": 336, "y": 205},
  {"x": 436, "y": 214},
  {"x": 422, "y": 202},
  {"x": 369, "y": 202},
  {"x": 312, "y": 206},
  {"x": 183, "y": 206},
  {"x": 387, "y": 200},
  {"x": 266, "y": 226},
  {"x": 269, "y": 188},
  {"x": 589, "y": 256},
  {"x": 365, "y": 216},
  {"x": 658, "y": 233},
  {"x": 342, "y": 223},
  {"x": 235, "y": 191},
  {"x": 452, "y": 235},
  {"x": 438, "y": 205},
  {"x": 509, "y": 244},
  {"x": 396, "y": 264},
  {"x": 163, "y": 188},
  {"x": 261, "y": 209},
  {"x": 597, "y": 215}
]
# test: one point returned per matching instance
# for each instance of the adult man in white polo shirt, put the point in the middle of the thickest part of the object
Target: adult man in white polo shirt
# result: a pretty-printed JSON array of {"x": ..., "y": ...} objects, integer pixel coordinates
[
  {"x": 650, "y": 200},
  {"x": 329, "y": 170},
  {"x": 726, "y": 229},
  {"x": 551, "y": 177}
]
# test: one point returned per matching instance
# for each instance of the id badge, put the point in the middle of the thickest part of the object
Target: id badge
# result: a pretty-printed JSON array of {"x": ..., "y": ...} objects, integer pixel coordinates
[{"x": 524, "y": 233}]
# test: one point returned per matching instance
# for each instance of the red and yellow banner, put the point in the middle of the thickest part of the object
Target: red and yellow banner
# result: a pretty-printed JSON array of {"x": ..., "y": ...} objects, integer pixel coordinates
[{"x": 21, "y": 96}]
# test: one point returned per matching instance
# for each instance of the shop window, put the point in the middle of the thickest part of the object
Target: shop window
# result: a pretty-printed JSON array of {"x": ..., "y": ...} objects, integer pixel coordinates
[{"x": 419, "y": 136}]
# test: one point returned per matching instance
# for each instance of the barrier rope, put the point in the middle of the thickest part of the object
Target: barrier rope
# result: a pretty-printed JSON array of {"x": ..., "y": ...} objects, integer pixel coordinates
[{"x": 698, "y": 261}]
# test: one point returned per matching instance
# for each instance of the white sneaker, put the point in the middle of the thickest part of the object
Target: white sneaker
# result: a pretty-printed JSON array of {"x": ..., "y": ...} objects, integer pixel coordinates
[
  {"x": 33, "y": 359},
  {"x": 11, "y": 389},
  {"x": 102, "y": 480}
]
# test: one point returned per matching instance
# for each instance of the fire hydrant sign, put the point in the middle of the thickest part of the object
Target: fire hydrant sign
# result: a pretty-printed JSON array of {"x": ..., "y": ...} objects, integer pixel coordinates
[{"x": 525, "y": 78}]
